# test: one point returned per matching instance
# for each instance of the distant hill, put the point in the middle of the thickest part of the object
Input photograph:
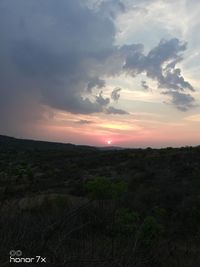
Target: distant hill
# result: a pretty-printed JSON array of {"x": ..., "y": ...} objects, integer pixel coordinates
[{"x": 7, "y": 142}]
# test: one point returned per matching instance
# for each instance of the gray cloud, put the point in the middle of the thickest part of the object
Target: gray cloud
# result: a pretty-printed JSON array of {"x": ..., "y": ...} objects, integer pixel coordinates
[
  {"x": 95, "y": 82},
  {"x": 115, "y": 95},
  {"x": 54, "y": 53},
  {"x": 181, "y": 100},
  {"x": 112, "y": 8},
  {"x": 144, "y": 85},
  {"x": 84, "y": 122},
  {"x": 160, "y": 65},
  {"x": 101, "y": 100},
  {"x": 112, "y": 110},
  {"x": 57, "y": 53}
]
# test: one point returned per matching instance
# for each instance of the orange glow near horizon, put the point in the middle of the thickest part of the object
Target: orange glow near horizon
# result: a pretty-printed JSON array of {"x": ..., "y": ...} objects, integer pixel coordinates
[{"x": 140, "y": 130}]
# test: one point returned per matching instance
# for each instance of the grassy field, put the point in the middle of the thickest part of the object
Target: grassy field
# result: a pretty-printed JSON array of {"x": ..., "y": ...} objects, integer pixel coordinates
[{"x": 83, "y": 206}]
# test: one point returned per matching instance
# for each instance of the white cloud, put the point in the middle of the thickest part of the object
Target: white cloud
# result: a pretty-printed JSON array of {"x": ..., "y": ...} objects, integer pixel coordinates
[{"x": 193, "y": 118}]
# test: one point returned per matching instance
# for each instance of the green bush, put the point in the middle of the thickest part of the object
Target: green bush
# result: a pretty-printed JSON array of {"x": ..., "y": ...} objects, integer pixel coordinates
[
  {"x": 126, "y": 221},
  {"x": 102, "y": 188},
  {"x": 150, "y": 230}
]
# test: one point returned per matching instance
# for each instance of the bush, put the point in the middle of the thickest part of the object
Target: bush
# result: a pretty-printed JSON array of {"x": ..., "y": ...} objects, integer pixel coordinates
[
  {"x": 102, "y": 188},
  {"x": 150, "y": 230}
]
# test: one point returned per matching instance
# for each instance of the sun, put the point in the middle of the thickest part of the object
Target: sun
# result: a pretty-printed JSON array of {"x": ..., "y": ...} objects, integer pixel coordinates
[{"x": 109, "y": 142}]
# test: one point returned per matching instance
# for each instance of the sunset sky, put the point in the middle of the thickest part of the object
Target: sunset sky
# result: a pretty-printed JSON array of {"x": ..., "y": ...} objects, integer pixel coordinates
[{"x": 101, "y": 72}]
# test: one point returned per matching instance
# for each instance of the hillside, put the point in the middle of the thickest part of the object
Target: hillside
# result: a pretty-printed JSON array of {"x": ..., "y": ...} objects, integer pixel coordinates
[
  {"x": 7, "y": 142},
  {"x": 149, "y": 199}
]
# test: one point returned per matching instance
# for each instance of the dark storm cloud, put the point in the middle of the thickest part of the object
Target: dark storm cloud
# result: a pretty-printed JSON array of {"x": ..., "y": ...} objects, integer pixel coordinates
[
  {"x": 59, "y": 53},
  {"x": 112, "y": 8},
  {"x": 54, "y": 53},
  {"x": 95, "y": 82}
]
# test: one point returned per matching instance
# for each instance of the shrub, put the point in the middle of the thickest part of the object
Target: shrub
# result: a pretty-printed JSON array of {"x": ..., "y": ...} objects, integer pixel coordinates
[{"x": 102, "y": 188}]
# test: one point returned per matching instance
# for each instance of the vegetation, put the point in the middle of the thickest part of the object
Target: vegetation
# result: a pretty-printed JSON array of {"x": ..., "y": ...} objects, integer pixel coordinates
[{"x": 82, "y": 206}]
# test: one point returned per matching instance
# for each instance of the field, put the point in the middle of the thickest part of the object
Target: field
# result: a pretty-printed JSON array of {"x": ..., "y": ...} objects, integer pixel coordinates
[{"x": 85, "y": 206}]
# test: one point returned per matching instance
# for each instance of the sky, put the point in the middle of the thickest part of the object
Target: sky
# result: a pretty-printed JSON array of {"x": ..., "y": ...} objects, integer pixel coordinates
[{"x": 101, "y": 72}]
